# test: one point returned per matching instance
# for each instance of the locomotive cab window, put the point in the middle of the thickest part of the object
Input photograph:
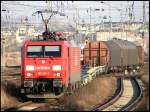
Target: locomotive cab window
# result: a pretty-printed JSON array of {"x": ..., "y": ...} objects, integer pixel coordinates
[
  {"x": 34, "y": 51},
  {"x": 52, "y": 51}
]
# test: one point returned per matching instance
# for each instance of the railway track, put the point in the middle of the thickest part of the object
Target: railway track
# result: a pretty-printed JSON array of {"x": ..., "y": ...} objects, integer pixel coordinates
[
  {"x": 89, "y": 74},
  {"x": 128, "y": 94}
]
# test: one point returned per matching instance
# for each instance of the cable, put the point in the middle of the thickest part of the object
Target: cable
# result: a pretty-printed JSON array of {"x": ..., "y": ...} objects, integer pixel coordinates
[{"x": 33, "y": 6}]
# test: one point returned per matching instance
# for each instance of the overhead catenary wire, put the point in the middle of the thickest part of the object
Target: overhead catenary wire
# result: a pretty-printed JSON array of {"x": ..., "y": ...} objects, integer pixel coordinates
[{"x": 64, "y": 7}]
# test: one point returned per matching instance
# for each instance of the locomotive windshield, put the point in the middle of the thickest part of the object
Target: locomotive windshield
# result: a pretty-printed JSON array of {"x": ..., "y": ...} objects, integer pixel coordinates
[
  {"x": 52, "y": 51},
  {"x": 44, "y": 51},
  {"x": 34, "y": 51}
]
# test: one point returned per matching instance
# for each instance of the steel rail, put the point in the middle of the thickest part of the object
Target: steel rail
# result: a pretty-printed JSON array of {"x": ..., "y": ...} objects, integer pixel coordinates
[
  {"x": 132, "y": 98},
  {"x": 120, "y": 89},
  {"x": 132, "y": 106},
  {"x": 111, "y": 100}
]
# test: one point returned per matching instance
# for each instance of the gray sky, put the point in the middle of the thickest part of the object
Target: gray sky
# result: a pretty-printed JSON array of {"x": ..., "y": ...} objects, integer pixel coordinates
[{"x": 20, "y": 9}]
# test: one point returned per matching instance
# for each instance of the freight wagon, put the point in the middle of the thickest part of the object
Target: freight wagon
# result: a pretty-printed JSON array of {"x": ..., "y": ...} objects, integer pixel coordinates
[{"x": 95, "y": 53}]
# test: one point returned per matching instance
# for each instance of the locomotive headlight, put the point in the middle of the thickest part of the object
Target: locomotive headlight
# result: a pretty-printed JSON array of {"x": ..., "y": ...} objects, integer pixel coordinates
[
  {"x": 57, "y": 74},
  {"x": 29, "y": 67},
  {"x": 29, "y": 74},
  {"x": 56, "y": 67}
]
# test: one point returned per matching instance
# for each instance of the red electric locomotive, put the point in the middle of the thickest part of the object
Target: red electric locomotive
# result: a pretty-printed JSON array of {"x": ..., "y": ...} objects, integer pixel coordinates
[{"x": 49, "y": 68}]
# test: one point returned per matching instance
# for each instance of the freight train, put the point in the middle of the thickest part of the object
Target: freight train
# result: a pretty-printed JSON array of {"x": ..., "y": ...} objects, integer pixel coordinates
[{"x": 52, "y": 67}]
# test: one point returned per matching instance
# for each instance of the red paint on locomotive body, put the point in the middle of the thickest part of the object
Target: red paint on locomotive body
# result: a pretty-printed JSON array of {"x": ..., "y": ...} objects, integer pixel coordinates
[{"x": 46, "y": 67}]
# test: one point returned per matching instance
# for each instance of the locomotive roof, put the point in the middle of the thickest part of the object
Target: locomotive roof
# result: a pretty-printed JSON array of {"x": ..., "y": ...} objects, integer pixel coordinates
[
  {"x": 70, "y": 43},
  {"x": 44, "y": 42}
]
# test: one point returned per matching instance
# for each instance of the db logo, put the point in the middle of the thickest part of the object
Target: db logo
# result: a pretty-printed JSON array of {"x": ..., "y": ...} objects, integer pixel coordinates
[{"x": 43, "y": 61}]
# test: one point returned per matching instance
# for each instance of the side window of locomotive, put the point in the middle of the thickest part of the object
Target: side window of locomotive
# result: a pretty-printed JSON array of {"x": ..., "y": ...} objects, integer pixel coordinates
[
  {"x": 53, "y": 51},
  {"x": 34, "y": 51}
]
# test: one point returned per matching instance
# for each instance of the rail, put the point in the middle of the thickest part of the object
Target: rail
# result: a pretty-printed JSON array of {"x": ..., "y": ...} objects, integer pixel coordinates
[
  {"x": 111, "y": 100},
  {"x": 127, "y": 99},
  {"x": 137, "y": 99},
  {"x": 127, "y": 91}
]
